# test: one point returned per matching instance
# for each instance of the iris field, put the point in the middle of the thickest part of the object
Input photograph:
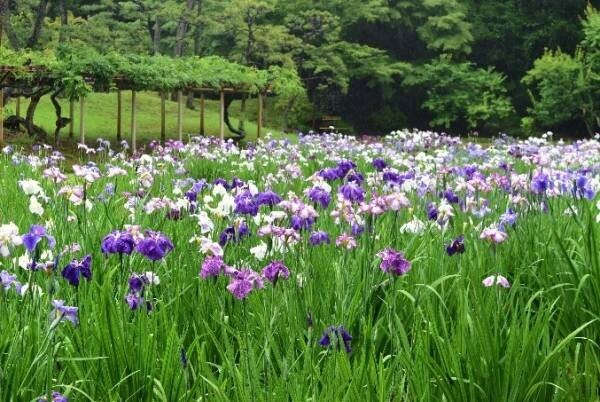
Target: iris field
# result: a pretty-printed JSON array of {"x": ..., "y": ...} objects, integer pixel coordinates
[{"x": 417, "y": 266}]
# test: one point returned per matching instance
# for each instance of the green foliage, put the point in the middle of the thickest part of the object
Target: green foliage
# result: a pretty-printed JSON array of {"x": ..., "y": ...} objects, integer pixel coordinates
[
  {"x": 459, "y": 92},
  {"x": 564, "y": 87}
]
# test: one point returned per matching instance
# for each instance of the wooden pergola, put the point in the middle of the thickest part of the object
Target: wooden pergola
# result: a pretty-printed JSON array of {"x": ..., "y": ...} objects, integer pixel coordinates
[{"x": 123, "y": 84}]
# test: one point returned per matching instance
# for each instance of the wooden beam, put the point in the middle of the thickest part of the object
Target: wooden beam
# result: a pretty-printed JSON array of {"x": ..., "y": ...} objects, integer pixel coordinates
[
  {"x": 71, "y": 118},
  {"x": 202, "y": 113},
  {"x": 163, "y": 127},
  {"x": 133, "y": 122},
  {"x": 259, "y": 121},
  {"x": 180, "y": 115},
  {"x": 81, "y": 120},
  {"x": 222, "y": 119},
  {"x": 1, "y": 117},
  {"x": 119, "y": 116}
]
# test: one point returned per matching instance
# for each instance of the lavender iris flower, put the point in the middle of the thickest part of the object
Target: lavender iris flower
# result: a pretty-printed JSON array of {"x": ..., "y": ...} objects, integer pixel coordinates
[
  {"x": 211, "y": 266},
  {"x": 35, "y": 235},
  {"x": 243, "y": 282},
  {"x": 63, "y": 312},
  {"x": 319, "y": 237},
  {"x": 393, "y": 261}
]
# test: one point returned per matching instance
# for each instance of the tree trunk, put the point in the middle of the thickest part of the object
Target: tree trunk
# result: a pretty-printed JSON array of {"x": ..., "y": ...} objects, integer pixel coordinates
[
  {"x": 189, "y": 103},
  {"x": 61, "y": 122},
  {"x": 40, "y": 14},
  {"x": 34, "y": 100},
  {"x": 6, "y": 27},
  {"x": 198, "y": 31},
  {"x": 182, "y": 28},
  {"x": 286, "y": 114},
  {"x": 64, "y": 21},
  {"x": 242, "y": 118},
  {"x": 156, "y": 36}
]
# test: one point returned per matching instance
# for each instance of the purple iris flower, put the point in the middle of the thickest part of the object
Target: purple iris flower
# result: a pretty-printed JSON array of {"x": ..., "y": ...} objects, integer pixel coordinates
[
  {"x": 393, "y": 261},
  {"x": 154, "y": 245},
  {"x": 230, "y": 234},
  {"x": 35, "y": 235},
  {"x": 319, "y": 196},
  {"x": 583, "y": 188},
  {"x": 379, "y": 164},
  {"x": 540, "y": 183},
  {"x": 274, "y": 271},
  {"x": 344, "y": 167},
  {"x": 298, "y": 223},
  {"x": 432, "y": 212},
  {"x": 243, "y": 282},
  {"x": 246, "y": 203},
  {"x": 222, "y": 182},
  {"x": 77, "y": 268},
  {"x": 134, "y": 300},
  {"x": 357, "y": 229},
  {"x": 269, "y": 198},
  {"x": 331, "y": 174},
  {"x": 355, "y": 177},
  {"x": 392, "y": 177},
  {"x": 450, "y": 196},
  {"x": 319, "y": 237},
  {"x": 118, "y": 242},
  {"x": 192, "y": 193},
  {"x": 457, "y": 246},
  {"x": 63, "y": 312},
  {"x": 508, "y": 218},
  {"x": 7, "y": 280},
  {"x": 56, "y": 397},
  {"x": 352, "y": 192},
  {"x": 211, "y": 266},
  {"x": 336, "y": 333}
]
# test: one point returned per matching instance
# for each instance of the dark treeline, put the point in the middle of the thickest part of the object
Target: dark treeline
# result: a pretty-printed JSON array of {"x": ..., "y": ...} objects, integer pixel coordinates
[{"x": 520, "y": 66}]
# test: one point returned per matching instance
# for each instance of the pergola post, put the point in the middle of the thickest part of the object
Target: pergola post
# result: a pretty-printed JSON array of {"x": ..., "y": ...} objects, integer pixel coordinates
[
  {"x": 81, "y": 120},
  {"x": 119, "y": 116},
  {"x": 259, "y": 122},
  {"x": 1, "y": 116},
  {"x": 163, "y": 127},
  {"x": 201, "y": 113},
  {"x": 133, "y": 122},
  {"x": 222, "y": 118},
  {"x": 71, "y": 118},
  {"x": 180, "y": 115}
]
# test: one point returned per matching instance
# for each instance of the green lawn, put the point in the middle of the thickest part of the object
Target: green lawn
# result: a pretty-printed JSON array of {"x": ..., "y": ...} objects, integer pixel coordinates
[{"x": 101, "y": 117}]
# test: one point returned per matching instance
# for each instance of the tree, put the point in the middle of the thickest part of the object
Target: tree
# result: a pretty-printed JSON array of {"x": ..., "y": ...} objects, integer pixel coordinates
[
  {"x": 459, "y": 93},
  {"x": 564, "y": 87}
]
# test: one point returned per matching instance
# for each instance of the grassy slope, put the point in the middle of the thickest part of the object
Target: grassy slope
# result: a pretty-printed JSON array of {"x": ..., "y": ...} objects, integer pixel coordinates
[{"x": 101, "y": 117}]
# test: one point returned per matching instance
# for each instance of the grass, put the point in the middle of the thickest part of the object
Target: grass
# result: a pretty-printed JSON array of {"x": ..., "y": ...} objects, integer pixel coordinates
[{"x": 101, "y": 117}]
